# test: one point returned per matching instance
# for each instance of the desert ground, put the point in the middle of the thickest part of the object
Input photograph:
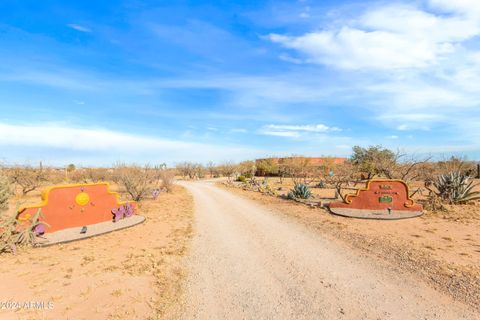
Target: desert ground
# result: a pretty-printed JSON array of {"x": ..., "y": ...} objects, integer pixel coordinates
[
  {"x": 211, "y": 250},
  {"x": 441, "y": 247},
  {"x": 248, "y": 262},
  {"x": 134, "y": 273}
]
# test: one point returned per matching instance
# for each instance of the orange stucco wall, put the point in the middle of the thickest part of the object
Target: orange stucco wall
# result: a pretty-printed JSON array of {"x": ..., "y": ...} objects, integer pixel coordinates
[
  {"x": 74, "y": 206},
  {"x": 370, "y": 198}
]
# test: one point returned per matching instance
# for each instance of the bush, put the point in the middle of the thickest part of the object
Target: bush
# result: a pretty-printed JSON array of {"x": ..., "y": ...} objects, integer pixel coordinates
[
  {"x": 5, "y": 192},
  {"x": 300, "y": 191},
  {"x": 241, "y": 179},
  {"x": 27, "y": 178},
  {"x": 322, "y": 184},
  {"x": 136, "y": 180},
  {"x": 168, "y": 178}
]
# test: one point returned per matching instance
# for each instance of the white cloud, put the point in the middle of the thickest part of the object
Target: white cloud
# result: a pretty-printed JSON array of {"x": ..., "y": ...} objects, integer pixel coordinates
[
  {"x": 306, "y": 128},
  {"x": 351, "y": 48},
  {"x": 287, "y": 134},
  {"x": 101, "y": 142},
  {"x": 295, "y": 131},
  {"x": 414, "y": 67},
  {"x": 79, "y": 28},
  {"x": 388, "y": 37}
]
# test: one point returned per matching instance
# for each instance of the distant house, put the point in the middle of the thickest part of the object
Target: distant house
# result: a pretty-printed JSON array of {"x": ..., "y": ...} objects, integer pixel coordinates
[{"x": 270, "y": 166}]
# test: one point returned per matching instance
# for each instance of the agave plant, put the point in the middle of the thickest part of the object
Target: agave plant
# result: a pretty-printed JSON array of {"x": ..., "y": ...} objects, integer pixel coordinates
[
  {"x": 456, "y": 188},
  {"x": 300, "y": 191},
  {"x": 13, "y": 235}
]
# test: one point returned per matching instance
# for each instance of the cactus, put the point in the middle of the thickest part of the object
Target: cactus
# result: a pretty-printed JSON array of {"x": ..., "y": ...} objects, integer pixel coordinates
[
  {"x": 456, "y": 188},
  {"x": 5, "y": 192},
  {"x": 300, "y": 191}
]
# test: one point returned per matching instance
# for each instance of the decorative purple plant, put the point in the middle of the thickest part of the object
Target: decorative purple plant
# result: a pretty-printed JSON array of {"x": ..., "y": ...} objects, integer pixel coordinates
[
  {"x": 119, "y": 213},
  {"x": 124, "y": 211},
  {"x": 155, "y": 194},
  {"x": 129, "y": 211},
  {"x": 39, "y": 229}
]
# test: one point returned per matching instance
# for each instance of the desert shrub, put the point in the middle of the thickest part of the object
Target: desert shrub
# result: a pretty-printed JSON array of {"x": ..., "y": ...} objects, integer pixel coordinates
[
  {"x": 135, "y": 180},
  {"x": 343, "y": 179},
  {"x": 167, "y": 178},
  {"x": 300, "y": 191},
  {"x": 298, "y": 168},
  {"x": 321, "y": 184},
  {"x": 191, "y": 170},
  {"x": 78, "y": 176},
  {"x": 373, "y": 160},
  {"x": 5, "y": 192},
  {"x": 455, "y": 188},
  {"x": 98, "y": 174},
  {"x": 242, "y": 179},
  {"x": 29, "y": 179},
  {"x": 455, "y": 164},
  {"x": 228, "y": 169},
  {"x": 247, "y": 168},
  {"x": 70, "y": 168},
  {"x": 266, "y": 167},
  {"x": 212, "y": 169},
  {"x": 14, "y": 235}
]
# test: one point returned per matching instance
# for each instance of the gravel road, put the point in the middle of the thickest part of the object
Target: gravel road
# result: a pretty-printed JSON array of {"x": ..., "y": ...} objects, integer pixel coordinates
[{"x": 249, "y": 263}]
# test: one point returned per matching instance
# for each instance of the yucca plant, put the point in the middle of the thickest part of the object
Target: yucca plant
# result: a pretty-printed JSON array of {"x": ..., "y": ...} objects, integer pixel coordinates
[
  {"x": 456, "y": 188},
  {"x": 300, "y": 191}
]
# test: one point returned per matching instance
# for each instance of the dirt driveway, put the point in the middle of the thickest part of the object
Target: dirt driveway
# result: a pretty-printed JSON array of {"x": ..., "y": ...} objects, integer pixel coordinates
[{"x": 247, "y": 263}]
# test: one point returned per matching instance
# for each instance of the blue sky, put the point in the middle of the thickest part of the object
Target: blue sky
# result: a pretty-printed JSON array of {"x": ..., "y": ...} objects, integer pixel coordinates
[{"x": 95, "y": 82}]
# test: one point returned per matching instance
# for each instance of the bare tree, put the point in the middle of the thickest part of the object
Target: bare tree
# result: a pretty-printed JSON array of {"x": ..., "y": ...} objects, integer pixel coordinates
[
  {"x": 299, "y": 169},
  {"x": 344, "y": 177},
  {"x": 27, "y": 178},
  {"x": 228, "y": 169},
  {"x": 212, "y": 169},
  {"x": 190, "y": 170},
  {"x": 135, "y": 180}
]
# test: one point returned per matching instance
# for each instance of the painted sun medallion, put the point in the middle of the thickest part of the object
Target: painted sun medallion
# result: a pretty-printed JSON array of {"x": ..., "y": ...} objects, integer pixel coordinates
[{"x": 82, "y": 198}]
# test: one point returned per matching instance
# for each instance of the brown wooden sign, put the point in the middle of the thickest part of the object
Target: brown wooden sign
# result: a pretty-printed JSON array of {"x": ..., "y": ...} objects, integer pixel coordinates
[{"x": 381, "y": 199}]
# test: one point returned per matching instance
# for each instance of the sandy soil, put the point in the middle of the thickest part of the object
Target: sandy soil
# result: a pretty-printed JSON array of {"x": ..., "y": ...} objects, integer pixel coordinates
[
  {"x": 134, "y": 273},
  {"x": 250, "y": 262},
  {"x": 441, "y": 247}
]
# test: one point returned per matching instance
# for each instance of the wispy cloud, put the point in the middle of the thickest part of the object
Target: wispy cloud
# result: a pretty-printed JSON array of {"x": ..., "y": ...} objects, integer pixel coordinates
[
  {"x": 388, "y": 37},
  {"x": 130, "y": 147},
  {"x": 79, "y": 27},
  {"x": 405, "y": 60},
  {"x": 294, "y": 131},
  {"x": 305, "y": 128}
]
